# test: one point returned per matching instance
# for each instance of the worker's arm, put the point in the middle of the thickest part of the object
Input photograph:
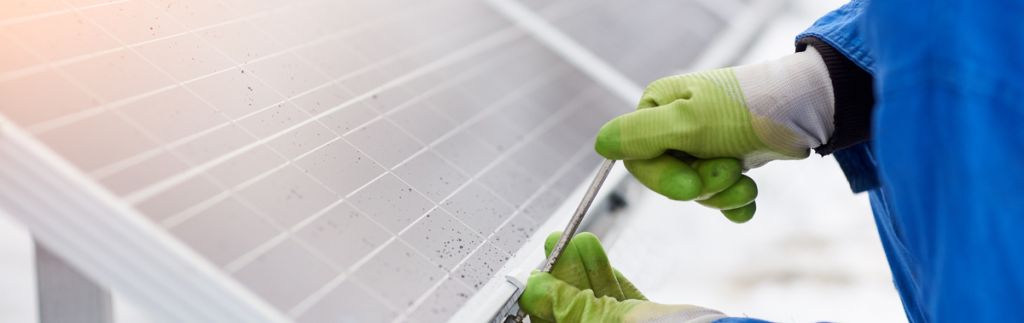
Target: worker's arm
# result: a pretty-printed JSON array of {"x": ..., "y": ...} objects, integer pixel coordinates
[{"x": 584, "y": 287}]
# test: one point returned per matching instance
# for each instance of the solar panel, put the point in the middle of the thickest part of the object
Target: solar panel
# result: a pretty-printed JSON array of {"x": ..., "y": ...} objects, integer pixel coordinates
[
  {"x": 360, "y": 161},
  {"x": 671, "y": 34},
  {"x": 303, "y": 148}
]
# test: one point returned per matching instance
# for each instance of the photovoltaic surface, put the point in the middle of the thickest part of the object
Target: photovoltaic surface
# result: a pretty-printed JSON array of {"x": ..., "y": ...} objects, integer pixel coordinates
[
  {"x": 643, "y": 39},
  {"x": 353, "y": 161}
]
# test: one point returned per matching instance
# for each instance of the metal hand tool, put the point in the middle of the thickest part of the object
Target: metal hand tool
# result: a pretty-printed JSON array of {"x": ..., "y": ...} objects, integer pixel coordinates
[{"x": 574, "y": 224}]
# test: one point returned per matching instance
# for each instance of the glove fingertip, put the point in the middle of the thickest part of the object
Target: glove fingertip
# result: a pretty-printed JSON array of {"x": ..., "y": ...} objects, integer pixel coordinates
[
  {"x": 589, "y": 247},
  {"x": 586, "y": 237},
  {"x": 741, "y": 214},
  {"x": 741, "y": 193},
  {"x": 609, "y": 140}
]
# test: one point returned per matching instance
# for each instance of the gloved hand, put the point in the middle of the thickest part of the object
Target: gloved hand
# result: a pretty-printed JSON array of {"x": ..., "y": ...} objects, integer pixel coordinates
[
  {"x": 583, "y": 287},
  {"x": 753, "y": 114}
]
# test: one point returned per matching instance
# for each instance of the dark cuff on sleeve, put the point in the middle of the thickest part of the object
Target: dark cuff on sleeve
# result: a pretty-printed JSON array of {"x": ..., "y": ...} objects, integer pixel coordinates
[{"x": 854, "y": 97}]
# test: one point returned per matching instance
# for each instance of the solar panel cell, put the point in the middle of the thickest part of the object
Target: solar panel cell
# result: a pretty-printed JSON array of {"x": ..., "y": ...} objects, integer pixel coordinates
[
  {"x": 479, "y": 208},
  {"x": 481, "y": 266},
  {"x": 133, "y": 22},
  {"x": 287, "y": 195},
  {"x": 431, "y": 175},
  {"x": 348, "y": 303},
  {"x": 399, "y": 146},
  {"x": 447, "y": 298},
  {"x": 61, "y": 36},
  {"x": 441, "y": 237},
  {"x": 340, "y": 167},
  {"x": 179, "y": 198},
  {"x": 206, "y": 230},
  {"x": 399, "y": 274},
  {"x": 152, "y": 168},
  {"x": 287, "y": 259},
  {"x": 514, "y": 233},
  {"x": 341, "y": 225},
  {"x": 172, "y": 115},
  {"x": 14, "y": 56},
  {"x": 393, "y": 203},
  {"x": 24, "y": 8}
]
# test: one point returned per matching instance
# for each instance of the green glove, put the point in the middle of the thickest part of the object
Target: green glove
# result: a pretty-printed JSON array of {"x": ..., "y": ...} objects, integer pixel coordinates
[
  {"x": 692, "y": 135},
  {"x": 583, "y": 287}
]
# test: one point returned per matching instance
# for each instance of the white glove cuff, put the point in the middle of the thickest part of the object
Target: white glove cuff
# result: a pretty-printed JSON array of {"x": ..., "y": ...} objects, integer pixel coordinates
[
  {"x": 794, "y": 92},
  {"x": 648, "y": 312}
]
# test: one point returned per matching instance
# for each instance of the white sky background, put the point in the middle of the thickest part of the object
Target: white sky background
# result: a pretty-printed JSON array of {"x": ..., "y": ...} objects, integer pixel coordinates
[{"x": 810, "y": 254}]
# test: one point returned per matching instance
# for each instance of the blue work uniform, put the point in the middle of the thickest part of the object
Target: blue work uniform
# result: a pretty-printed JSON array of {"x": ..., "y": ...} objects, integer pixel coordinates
[{"x": 944, "y": 167}]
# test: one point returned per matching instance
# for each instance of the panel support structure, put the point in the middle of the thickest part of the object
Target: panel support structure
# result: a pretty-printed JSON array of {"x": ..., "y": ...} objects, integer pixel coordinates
[{"x": 66, "y": 295}]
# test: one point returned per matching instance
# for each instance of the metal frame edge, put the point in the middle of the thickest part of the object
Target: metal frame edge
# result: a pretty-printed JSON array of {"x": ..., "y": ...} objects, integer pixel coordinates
[{"x": 110, "y": 242}]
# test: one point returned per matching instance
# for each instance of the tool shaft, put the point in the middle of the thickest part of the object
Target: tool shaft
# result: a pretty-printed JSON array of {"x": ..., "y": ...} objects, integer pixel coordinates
[
  {"x": 574, "y": 222},
  {"x": 577, "y": 216}
]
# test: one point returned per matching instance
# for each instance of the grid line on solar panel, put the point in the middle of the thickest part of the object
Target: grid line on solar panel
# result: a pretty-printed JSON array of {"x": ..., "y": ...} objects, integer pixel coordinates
[
  {"x": 165, "y": 223},
  {"x": 49, "y": 124},
  {"x": 140, "y": 195},
  {"x": 582, "y": 151},
  {"x": 76, "y": 12},
  {"x": 173, "y": 144},
  {"x": 566, "y": 167},
  {"x": 287, "y": 196},
  {"x": 299, "y": 157},
  {"x": 494, "y": 108},
  {"x": 553, "y": 122},
  {"x": 354, "y": 303},
  {"x": 557, "y": 116},
  {"x": 31, "y": 9},
  {"x": 579, "y": 155},
  {"x": 155, "y": 39}
]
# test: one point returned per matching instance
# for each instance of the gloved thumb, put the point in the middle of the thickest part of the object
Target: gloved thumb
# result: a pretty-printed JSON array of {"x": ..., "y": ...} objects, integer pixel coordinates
[{"x": 541, "y": 294}]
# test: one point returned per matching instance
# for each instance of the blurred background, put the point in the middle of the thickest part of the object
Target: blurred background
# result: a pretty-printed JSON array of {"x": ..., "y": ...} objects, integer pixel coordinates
[{"x": 810, "y": 254}]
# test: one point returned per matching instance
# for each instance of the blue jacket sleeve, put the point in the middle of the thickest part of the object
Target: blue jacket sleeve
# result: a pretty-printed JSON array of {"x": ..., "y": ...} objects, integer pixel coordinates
[
  {"x": 949, "y": 145},
  {"x": 740, "y": 320},
  {"x": 841, "y": 30}
]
